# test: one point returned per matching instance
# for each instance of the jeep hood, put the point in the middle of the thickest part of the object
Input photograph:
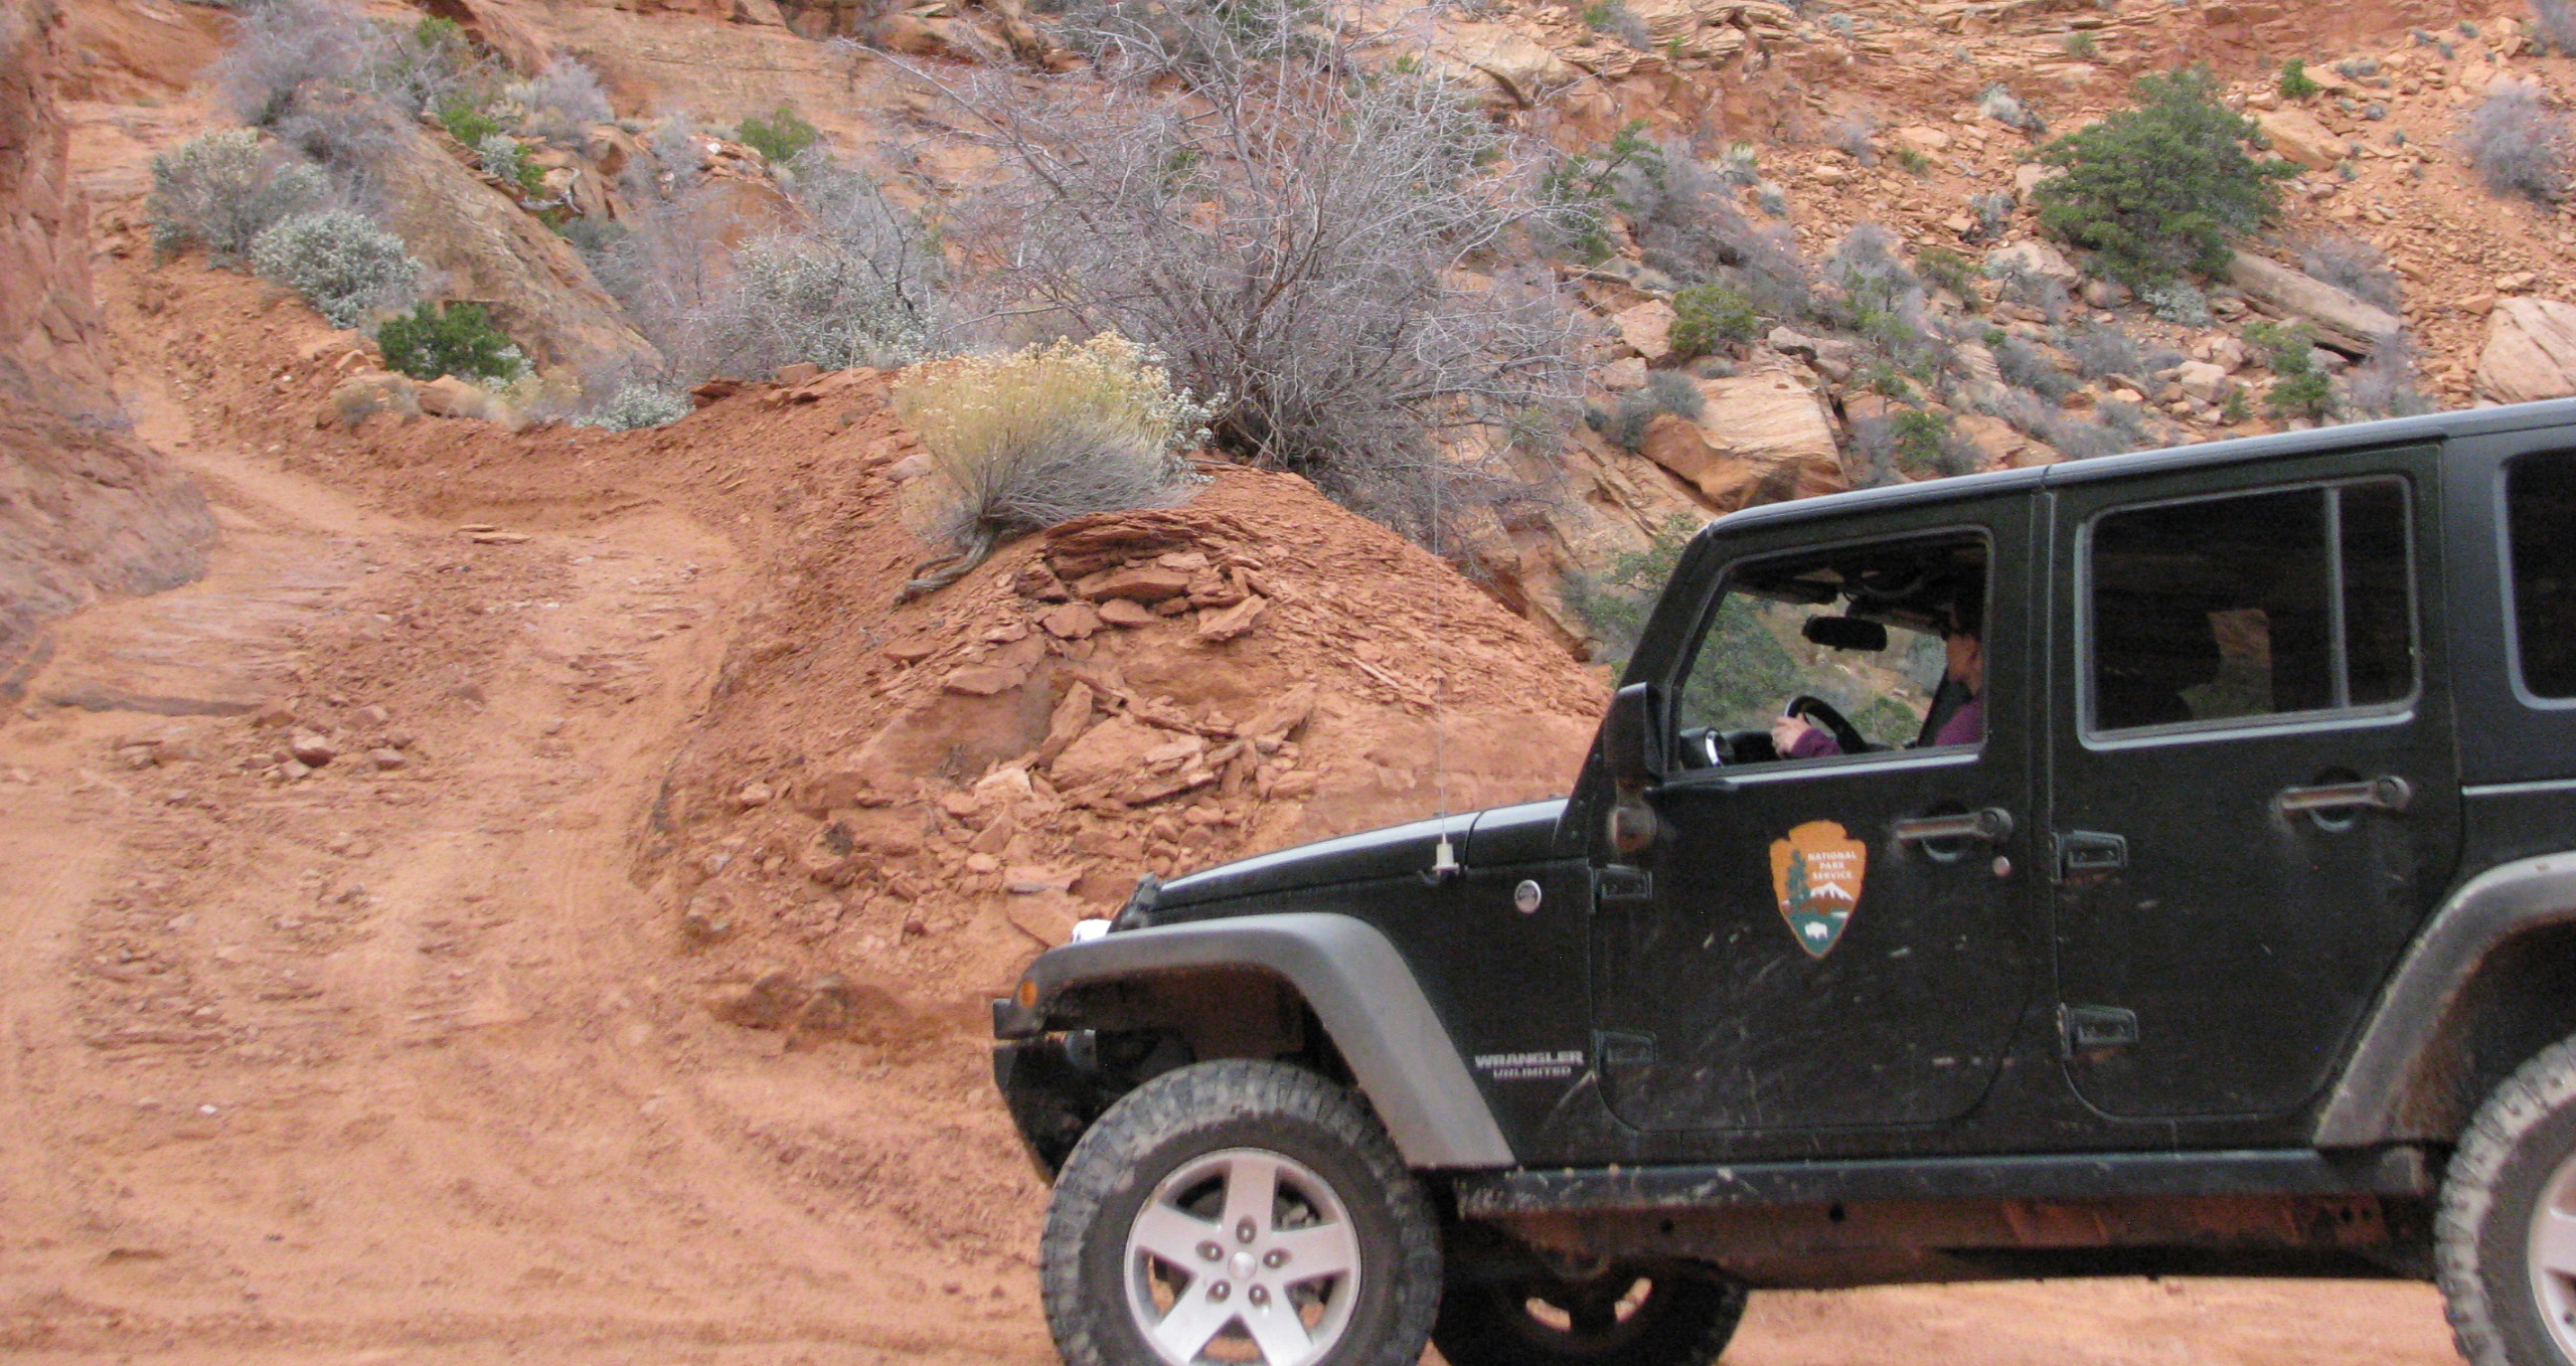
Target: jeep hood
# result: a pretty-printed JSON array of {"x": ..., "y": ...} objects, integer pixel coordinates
[{"x": 1501, "y": 835}]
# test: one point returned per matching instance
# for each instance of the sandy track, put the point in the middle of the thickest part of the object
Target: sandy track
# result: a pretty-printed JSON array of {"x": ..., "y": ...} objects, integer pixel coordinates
[{"x": 397, "y": 1061}]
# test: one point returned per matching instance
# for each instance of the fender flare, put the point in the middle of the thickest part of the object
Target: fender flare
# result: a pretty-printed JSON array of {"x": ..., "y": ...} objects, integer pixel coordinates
[
  {"x": 1359, "y": 987},
  {"x": 2370, "y": 1103}
]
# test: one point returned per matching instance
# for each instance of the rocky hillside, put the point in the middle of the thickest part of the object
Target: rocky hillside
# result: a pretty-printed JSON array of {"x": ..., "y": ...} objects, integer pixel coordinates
[{"x": 1919, "y": 125}]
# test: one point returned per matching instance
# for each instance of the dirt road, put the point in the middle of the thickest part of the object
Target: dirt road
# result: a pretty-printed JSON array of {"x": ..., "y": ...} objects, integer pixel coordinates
[
  {"x": 387, "y": 1058},
  {"x": 394, "y": 1063}
]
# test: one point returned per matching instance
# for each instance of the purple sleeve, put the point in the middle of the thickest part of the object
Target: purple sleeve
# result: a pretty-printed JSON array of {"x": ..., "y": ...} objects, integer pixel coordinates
[
  {"x": 1966, "y": 726},
  {"x": 1815, "y": 744}
]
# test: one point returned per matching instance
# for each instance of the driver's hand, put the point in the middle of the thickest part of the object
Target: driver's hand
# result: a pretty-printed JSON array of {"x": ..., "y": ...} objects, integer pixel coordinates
[{"x": 1786, "y": 732}]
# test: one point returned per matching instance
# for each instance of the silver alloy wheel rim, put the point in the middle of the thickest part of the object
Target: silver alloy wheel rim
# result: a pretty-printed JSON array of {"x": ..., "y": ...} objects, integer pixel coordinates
[
  {"x": 2552, "y": 1257},
  {"x": 1242, "y": 1255}
]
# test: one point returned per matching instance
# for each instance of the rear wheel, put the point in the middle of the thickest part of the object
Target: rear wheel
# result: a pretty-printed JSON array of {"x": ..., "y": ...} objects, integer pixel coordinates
[
  {"x": 2505, "y": 1237},
  {"x": 1624, "y": 1318},
  {"x": 1239, "y": 1212}
]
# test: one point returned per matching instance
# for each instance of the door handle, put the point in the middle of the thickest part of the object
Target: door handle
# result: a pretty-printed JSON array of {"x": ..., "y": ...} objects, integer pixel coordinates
[
  {"x": 2387, "y": 792},
  {"x": 1992, "y": 824}
]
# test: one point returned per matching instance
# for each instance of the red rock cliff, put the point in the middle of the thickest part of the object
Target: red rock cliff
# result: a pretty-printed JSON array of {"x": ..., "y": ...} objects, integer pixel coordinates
[{"x": 85, "y": 510}]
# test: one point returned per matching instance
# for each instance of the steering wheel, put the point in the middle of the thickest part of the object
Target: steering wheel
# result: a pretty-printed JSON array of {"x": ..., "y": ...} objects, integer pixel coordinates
[{"x": 1822, "y": 712}]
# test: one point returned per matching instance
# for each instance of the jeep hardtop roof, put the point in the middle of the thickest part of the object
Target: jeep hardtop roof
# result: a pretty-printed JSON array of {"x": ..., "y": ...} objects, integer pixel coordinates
[{"x": 2397, "y": 431}]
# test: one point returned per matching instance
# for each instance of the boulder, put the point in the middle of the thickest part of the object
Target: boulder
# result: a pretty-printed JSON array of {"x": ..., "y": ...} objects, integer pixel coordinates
[
  {"x": 1647, "y": 328},
  {"x": 1114, "y": 748},
  {"x": 1525, "y": 70},
  {"x": 1149, "y": 583},
  {"x": 2203, "y": 381},
  {"x": 2296, "y": 134},
  {"x": 2034, "y": 258},
  {"x": 2530, "y": 351},
  {"x": 532, "y": 281},
  {"x": 1760, "y": 438},
  {"x": 2343, "y": 321},
  {"x": 1620, "y": 376},
  {"x": 448, "y": 396}
]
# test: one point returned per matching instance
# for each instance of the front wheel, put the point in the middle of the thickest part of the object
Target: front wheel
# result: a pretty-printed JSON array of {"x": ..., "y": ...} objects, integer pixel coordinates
[
  {"x": 2505, "y": 1235},
  {"x": 1624, "y": 1318},
  {"x": 1239, "y": 1212}
]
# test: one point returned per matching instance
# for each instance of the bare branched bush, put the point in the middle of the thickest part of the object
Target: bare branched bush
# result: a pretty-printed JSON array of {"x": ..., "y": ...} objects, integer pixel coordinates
[
  {"x": 286, "y": 51},
  {"x": 2021, "y": 365},
  {"x": 2102, "y": 350},
  {"x": 855, "y": 284},
  {"x": 2384, "y": 386},
  {"x": 2352, "y": 265},
  {"x": 2003, "y": 107},
  {"x": 1337, "y": 251},
  {"x": 2030, "y": 289},
  {"x": 222, "y": 189},
  {"x": 2557, "y": 20},
  {"x": 1200, "y": 41},
  {"x": 669, "y": 265},
  {"x": 1025, "y": 441},
  {"x": 1853, "y": 137},
  {"x": 340, "y": 261},
  {"x": 351, "y": 136},
  {"x": 2517, "y": 144},
  {"x": 562, "y": 104}
]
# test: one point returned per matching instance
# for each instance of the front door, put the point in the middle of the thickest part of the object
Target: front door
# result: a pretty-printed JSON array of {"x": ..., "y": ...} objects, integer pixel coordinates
[
  {"x": 2254, "y": 798},
  {"x": 1837, "y": 939}
]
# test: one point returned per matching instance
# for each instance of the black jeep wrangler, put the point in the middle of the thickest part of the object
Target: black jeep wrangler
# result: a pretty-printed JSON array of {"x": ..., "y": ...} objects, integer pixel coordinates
[{"x": 2155, "y": 864}]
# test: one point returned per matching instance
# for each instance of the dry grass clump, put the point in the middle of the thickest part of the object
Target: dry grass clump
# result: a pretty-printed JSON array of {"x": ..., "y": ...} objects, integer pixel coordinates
[{"x": 1024, "y": 441}]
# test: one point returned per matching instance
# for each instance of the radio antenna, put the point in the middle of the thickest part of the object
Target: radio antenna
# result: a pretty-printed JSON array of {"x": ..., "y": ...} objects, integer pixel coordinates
[{"x": 1444, "y": 856}]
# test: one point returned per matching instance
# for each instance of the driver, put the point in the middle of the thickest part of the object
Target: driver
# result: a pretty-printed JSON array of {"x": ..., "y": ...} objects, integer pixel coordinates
[{"x": 1795, "y": 737}]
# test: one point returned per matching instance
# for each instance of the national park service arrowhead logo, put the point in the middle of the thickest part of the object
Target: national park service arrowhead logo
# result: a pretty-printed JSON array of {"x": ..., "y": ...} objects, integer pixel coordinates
[{"x": 1817, "y": 873}]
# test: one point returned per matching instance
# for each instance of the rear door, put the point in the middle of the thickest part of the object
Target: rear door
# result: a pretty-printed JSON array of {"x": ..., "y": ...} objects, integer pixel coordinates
[{"x": 2252, "y": 785}]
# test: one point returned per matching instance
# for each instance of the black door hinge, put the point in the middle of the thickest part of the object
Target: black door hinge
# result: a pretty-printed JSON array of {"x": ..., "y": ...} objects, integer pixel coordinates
[
  {"x": 2086, "y": 855},
  {"x": 1620, "y": 885},
  {"x": 2083, "y": 1030}
]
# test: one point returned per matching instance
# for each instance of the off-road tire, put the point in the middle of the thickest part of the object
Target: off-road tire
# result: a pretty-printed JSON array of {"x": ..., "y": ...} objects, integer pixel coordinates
[
  {"x": 1190, "y": 1112},
  {"x": 1679, "y": 1323},
  {"x": 2516, "y": 1146}
]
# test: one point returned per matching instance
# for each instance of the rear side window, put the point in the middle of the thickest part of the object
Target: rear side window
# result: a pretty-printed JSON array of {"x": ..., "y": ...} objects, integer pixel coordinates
[
  {"x": 2250, "y": 606},
  {"x": 2540, "y": 517}
]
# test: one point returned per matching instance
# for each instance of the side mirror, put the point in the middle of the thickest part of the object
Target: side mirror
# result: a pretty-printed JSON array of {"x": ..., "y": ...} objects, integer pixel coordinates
[
  {"x": 1633, "y": 737},
  {"x": 1845, "y": 633}
]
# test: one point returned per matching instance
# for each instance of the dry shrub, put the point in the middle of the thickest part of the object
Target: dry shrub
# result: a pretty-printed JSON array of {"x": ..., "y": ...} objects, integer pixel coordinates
[
  {"x": 285, "y": 52},
  {"x": 1334, "y": 244},
  {"x": 562, "y": 104},
  {"x": 855, "y": 284},
  {"x": 2353, "y": 266},
  {"x": 2517, "y": 144},
  {"x": 1024, "y": 441},
  {"x": 222, "y": 189}
]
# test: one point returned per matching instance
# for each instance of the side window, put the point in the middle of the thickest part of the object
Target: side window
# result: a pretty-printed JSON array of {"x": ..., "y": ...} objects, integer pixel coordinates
[
  {"x": 1863, "y": 629},
  {"x": 2250, "y": 606},
  {"x": 2540, "y": 510}
]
